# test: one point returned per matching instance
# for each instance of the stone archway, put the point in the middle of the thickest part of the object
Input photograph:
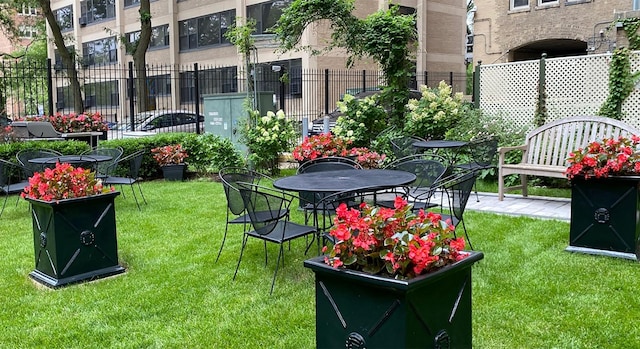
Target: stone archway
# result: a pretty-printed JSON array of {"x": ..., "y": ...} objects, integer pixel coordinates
[{"x": 552, "y": 47}]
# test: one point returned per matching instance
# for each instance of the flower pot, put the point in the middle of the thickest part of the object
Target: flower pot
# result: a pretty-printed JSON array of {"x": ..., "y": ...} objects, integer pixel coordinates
[
  {"x": 605, "y": 213},
  {"x": 358, "y": 310},
  {"x": 74, "y": 239},
  {"x": 174, "y": 172}
]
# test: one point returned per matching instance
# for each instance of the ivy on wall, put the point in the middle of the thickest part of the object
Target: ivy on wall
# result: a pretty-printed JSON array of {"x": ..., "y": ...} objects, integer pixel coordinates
[{"x": 621, "y": 83}]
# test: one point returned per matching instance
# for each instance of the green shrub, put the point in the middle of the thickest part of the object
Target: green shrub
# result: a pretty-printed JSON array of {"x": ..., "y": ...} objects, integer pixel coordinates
[{"x": 361, "y": 121}]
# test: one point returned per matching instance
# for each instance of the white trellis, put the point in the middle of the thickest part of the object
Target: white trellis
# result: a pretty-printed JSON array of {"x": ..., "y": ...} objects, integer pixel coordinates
[{"x": 575, "y": 86}]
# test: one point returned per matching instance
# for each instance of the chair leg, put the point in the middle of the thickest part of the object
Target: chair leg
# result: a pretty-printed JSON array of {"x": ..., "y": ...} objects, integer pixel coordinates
[
  {"x": 224, "y": 237},
  {"x": 475, "y": 188},
  {"x": 466, "y": 235},
  {"x": 275, "y": 273},
  {"x": 244, "y": 243},
  {"x": 4, "y": 204},
  {"x": 141, "y": 194},
  {"x": 135, "y": 197}
]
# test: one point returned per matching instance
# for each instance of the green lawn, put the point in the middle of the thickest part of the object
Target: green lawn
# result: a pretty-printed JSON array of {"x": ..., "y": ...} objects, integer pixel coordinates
[{"x": 527, "y": 292}]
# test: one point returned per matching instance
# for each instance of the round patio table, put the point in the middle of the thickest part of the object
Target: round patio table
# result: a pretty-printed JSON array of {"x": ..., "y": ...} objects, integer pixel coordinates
[{"x": 345, "y": 180}]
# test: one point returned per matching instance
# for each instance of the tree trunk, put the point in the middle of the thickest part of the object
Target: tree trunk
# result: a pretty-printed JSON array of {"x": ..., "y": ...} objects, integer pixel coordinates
[{"x": 139, "y": 56}]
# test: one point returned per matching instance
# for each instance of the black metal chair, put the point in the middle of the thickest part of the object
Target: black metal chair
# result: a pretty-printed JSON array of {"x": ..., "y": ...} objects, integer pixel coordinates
[
  {"x": 131, "y": 164},
  {"x": 481, "y": 155},
  {"x": 428, "y": 169},
  {"x": 105, "y": 168},
  {"x": 403, "y": 146},
  {"x": 457, "y": 188},
  {"x": 326, "y": 208},
  {"x": 23, "y": 157},
  {"x": 265, "y": 209},
  {"x": 236, "y": 213},
  {"x": 11, "y": 180}
]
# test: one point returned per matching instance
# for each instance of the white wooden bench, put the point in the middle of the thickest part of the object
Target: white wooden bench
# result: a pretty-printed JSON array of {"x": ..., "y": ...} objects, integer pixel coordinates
[{"x": 547, "y": 148}]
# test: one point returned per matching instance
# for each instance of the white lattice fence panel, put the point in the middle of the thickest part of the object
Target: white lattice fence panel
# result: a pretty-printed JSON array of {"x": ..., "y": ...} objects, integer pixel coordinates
[
  {"x": 510, "y": 90},
  {"x": 631, "y": 106},
  {"x": 576, "y": 85}
]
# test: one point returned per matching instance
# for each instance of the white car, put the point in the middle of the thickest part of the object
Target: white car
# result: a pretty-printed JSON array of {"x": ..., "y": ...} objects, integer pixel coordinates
[{"x": 165, "y": 121}]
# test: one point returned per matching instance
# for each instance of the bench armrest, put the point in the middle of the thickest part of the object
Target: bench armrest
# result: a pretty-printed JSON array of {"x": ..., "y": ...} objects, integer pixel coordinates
[{"x": 502, "y": 151}]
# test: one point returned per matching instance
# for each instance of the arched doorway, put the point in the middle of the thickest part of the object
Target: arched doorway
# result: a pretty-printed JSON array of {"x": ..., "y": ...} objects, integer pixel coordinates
[{"x": 552, "y": 47}]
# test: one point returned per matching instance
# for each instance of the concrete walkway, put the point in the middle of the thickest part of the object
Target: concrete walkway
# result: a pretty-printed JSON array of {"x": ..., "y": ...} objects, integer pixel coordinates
[{"x": 532, "y": 206}]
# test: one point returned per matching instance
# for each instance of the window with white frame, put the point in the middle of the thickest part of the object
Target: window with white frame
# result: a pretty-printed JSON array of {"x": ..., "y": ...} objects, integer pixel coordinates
[
  {"x": 519, "y": 4},
  {"x": 547, "y": 2},
  {"x": 27, "y": 31},
  {"x": 28, "y": 10}
]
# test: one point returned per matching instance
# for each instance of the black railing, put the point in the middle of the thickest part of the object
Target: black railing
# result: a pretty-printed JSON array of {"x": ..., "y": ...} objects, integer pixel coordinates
[{"x": 29, "y": 88}]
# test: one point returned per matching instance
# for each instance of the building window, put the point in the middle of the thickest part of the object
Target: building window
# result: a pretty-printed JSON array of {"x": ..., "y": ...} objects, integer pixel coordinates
[
  {"x": 97, "y": 10},
  {"x": 131, "y": 2},
  {"x": 206, "y": 30},
  {"x": 28, "y": 10},
  {"x": 64, "y": 17},
  {"x": 218, "y": 80},
  {"x": 159, "y": 85},
  {"x": 103, "y": 93},
  {"x": 27, "y": 31},
  {"x": 547, "y": 2},
  {"x": 99, "y": 52},
  {"x": 267, "y": 14},
  {"x": 519, "y": 4},
  {"x": 636, "y": 5},
  {"x": 159, "y": 37}
]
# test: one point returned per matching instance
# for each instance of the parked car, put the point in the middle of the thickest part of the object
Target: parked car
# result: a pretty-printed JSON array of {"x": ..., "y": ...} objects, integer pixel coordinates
[
  {"x": 317, "y": 125},
  {"x": 165, "y": 121},
  {"x": 4, "y": 120}
]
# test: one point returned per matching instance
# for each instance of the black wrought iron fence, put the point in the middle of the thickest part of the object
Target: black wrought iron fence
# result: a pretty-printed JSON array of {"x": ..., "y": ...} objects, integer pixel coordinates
[{"x": 36, "y": 88}]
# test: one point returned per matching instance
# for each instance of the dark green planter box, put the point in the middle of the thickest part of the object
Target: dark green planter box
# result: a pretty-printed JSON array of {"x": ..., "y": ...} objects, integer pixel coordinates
[
  {"x": 604, "y": 216},
  {"x": 174, "y": 172},
  {"x": 358, "y": 310},
  {"x": 74, "y": 240}
]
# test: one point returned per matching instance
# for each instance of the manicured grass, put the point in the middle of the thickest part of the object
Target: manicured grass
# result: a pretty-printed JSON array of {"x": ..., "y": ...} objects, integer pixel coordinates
[{"x": 527, "y": 292}]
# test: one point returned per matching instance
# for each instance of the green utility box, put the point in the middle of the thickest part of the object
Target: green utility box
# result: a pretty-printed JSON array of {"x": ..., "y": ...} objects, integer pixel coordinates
[{"x": 223, "y": 112}]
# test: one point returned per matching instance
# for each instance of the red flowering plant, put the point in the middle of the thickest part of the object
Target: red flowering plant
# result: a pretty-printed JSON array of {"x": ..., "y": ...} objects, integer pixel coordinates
[
  {"x": 72, "y": 122},
  {"x": 394, "y": 242},
  {"x": 169, "y": 154},
  {"x": 367, "y": 158},
  {"x": 322, "y": 145},
  {"x": 611, "y": 157},
  {"x": 64, "y": 182}
]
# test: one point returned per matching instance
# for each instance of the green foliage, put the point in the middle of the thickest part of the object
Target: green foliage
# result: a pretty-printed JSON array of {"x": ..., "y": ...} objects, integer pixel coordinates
[
  {"x": 361, "y": 121},
  {"x": 266, "y": 138},
  {"x": 541, "y": 113},
  {"x": 240, "y": 35},
  {"x": 385, "y": 36},
  {"x": 435, "y": 113},
  {"x": 631, "y": 26},
  {"x": 621, "y": 83},
  {"x": 478, "y": 125},
  {"x": 300, "y": 13},
  {"x": 208, "y": 153}
]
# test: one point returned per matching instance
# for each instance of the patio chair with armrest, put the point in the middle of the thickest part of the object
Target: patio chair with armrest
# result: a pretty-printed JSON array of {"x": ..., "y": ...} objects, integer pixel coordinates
[
  {"x": 482, "y": 156},
  {"x": 457, "y": 188},
  {"x": 326, "y": 209},
  {"x": 131, "y": 164},
  {"x": 12, "y": 180},
  {"x": 236, "y": 213},
  {"x": 265, "y": 208},
  {"x": 23, "y": 157},
  {"x": 43, "y": 129},
  {"x": 105, "y": 168},
  {"x": 403, "y": 146},
  {"x": 428, "y": 169}
]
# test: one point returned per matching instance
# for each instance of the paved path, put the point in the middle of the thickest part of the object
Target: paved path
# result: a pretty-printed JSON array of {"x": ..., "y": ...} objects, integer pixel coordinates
[{"x": 533, "y": 206}]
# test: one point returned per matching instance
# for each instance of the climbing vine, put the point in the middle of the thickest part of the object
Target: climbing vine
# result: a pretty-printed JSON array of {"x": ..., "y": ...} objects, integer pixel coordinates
[
  {"x": 621, "y": 83},
  {"x": 385, "y": 36},
  {"x": 631, "y": 26}
]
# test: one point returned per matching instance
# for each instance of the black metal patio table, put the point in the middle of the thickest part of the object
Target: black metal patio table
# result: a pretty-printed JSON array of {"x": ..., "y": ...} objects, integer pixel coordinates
[
  {"x": 74, "y": 160},
  {"x": 339, "y": 181}
]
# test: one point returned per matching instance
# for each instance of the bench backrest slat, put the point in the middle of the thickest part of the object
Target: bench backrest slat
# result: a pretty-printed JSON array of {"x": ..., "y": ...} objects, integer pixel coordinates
[{"x": 551, "y": 144}]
